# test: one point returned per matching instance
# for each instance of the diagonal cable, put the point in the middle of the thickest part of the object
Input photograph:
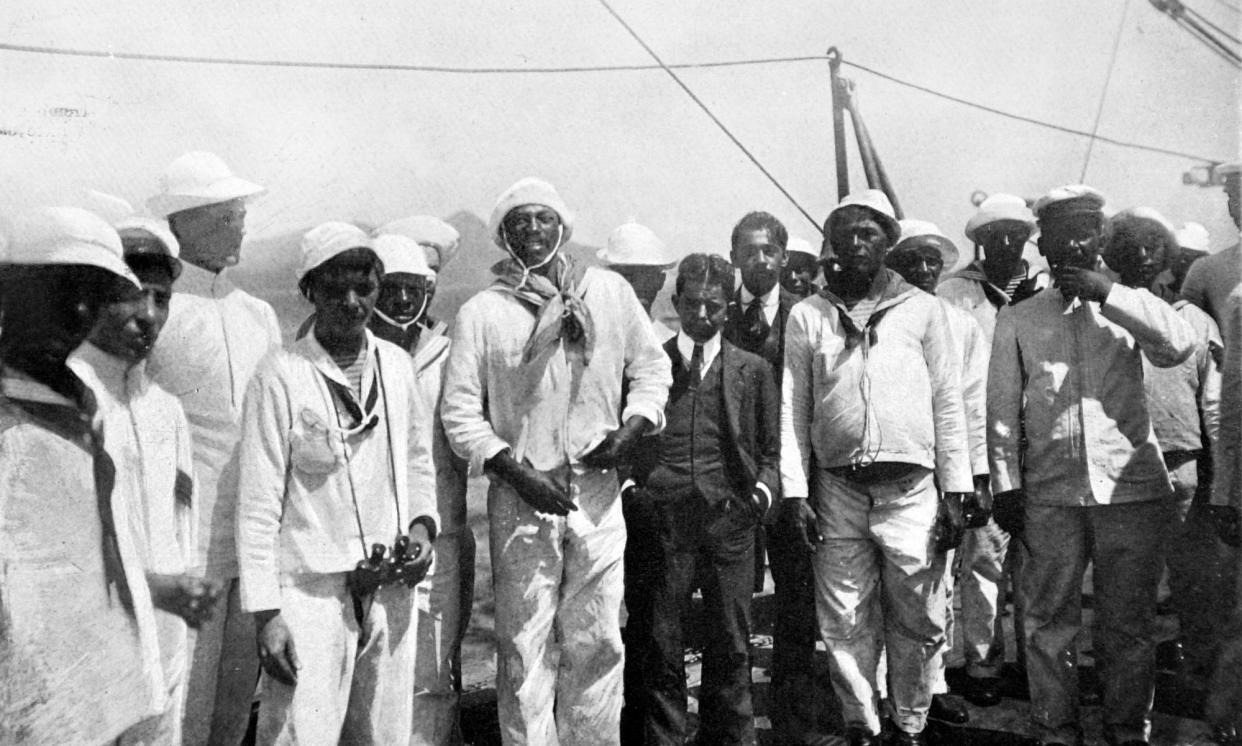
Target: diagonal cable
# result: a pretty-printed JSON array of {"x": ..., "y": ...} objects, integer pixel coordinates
[{"x": 1108, "y": 78}]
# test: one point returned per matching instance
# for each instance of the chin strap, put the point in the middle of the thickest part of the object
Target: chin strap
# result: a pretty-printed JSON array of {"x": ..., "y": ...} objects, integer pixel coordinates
[
  {"x": 560, "y": 236},
  {"x": 403, "y": 327}
]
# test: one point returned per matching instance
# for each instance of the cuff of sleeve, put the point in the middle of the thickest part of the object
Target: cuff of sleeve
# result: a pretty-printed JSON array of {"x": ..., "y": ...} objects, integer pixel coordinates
[
  {"x": 481, "y": 454},
  {"x": 1005, "y": 479},
  {"x": 428, "y": 523},
  {"x": 259, "y": 591},
  {"x": 654, "y": 415}
]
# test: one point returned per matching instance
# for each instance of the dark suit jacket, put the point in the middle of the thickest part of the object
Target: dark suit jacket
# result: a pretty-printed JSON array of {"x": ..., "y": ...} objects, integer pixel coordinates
[
  {"x": 752, "y": 421},
  {"x": 773, "y": 348}
]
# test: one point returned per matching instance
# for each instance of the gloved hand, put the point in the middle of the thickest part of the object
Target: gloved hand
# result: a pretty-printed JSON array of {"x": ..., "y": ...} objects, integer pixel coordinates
[
  {"x": 950, "y": 524},
  {"x": 798, "y": 524},
  {"x": 1009, "y": 511},
  {"x": 615, "y": 448},
  {"x": 1227, "y": 522},
  {"x": 977, "y": 506},
  {"x": 538, "y": 489}
]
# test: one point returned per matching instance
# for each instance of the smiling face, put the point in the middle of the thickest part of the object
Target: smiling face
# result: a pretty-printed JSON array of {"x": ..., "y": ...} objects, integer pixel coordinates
[
  {"x": 403, "y": 296},
  {"x": 760, "y": 260},
  {"x": 129, "y": 324},
  {"x": 533, "y": 233}
]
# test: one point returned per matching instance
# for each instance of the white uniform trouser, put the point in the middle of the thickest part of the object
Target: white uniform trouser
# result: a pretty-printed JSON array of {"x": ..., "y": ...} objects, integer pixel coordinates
[
  {"x": 558, "y": 586},
  {"x": 443, "y": 604},
  {"x": 879, "y": 585},
  {"x": 354, "y": 684}
]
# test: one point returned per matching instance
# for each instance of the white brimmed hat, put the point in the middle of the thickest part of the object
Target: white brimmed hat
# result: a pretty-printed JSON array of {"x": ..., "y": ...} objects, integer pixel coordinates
[
  {"x": 328, "y": 240},
  {"x": 197, "y": 179},
  {"x": 1000, "y": 208},
  {"x": 631, "y": 243},
  {"x": 428, "y": 231},
  {"x": 402, "y": 254},
  {"x": 140, "y": 227},
  {"x": 67, "y": 235},
  {"x": 1071, "y": 199},
  {"x": 1194, "y": 237},
  {"x": 800, "y": 246},
  {"x": 924, "y": 232},
  {"x": 529, "y": 191},
  {"x": 876, "y": 202}
]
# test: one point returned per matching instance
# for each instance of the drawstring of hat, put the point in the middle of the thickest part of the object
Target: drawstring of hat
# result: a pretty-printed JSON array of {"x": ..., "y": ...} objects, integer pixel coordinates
[
  {"x": 560, "y": 236},
  {"x": 404, "y": 326}
]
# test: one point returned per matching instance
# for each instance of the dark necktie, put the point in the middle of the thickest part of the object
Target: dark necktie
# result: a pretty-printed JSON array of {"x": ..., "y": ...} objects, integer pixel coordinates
[
  {"x": 696, "y": 367},
  {"x": 756, "y": 324}
]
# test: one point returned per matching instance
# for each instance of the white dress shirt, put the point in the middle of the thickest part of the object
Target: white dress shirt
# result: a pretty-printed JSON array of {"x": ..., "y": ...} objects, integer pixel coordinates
[{"x": 771, "y": 302}]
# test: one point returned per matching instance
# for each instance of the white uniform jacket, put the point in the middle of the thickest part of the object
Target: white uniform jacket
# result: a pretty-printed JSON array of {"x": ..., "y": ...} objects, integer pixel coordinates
[
  {"x": 550, "y": 414},
  {"x": 1069, "y": 375},
  {"x": 309, "y": 476},
  {"x": 215, "y": 336},
  {"x": 894, "y": 394}
]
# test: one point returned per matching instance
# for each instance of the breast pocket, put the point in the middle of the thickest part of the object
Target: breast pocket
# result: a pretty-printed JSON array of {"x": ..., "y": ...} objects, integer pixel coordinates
[{"x": 314, "y": 447}]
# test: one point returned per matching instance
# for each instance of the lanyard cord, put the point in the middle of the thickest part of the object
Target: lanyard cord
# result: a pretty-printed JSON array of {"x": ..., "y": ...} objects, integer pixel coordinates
[
  {"x": 349, "y": 474},
  {"x": 392, "y": 458}
]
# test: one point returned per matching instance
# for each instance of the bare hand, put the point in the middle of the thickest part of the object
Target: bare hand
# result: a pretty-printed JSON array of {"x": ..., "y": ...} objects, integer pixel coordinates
[
  {"x": 977, "y": 505},
  {"x": 277, "y": 652},
  {"x": 1085, "y": 284},
  {"x": 538, "y": 489},
  {"x": 950, "y": 525},
  {"x": 191, "y": 598},
  {"x": 799, "y": 524},
  {"x": 417, "y": 560},
  {"x": 615, "y": 448}
]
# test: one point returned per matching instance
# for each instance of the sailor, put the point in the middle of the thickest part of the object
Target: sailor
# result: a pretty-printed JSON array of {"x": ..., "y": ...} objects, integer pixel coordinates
[
  {"x": 79, "y": 651},
  {"x": 636, "y": 253},
  {"x": 1077, "y": 475},
  {"x": 440, "y": 242},
  {"x": 873, "y": 392},
  {"x": 336, "y": 512},
  {"x": 1210, "y": 281},
  {"x": 443, "y": 600},
  {"x": 532, "y": 397},
  {"x": 919, "y": 257},
  {"x": 214, "y": 338},
  {"x": 801, "y": 272},
  {"x": 144, "y": 426}
]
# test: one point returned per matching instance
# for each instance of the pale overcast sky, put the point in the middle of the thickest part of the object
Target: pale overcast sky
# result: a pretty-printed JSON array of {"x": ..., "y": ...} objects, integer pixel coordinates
[{"x": 373, "y": 145}]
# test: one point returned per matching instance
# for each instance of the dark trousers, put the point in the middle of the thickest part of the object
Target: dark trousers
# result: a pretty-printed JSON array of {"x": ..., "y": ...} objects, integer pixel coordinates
[
  {"x": 793, "y": 639},
  {"x": 690, "y": 539}
]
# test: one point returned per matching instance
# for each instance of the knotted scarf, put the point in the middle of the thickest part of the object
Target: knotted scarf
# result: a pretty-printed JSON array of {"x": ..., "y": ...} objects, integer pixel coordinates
[{"x": 561, "y": 312}]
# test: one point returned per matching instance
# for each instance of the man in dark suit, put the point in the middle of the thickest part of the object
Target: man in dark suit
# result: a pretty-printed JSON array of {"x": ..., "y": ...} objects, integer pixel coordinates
[
  {"x": 700, "y": 488},
  {"x": 756, "y": 323}
]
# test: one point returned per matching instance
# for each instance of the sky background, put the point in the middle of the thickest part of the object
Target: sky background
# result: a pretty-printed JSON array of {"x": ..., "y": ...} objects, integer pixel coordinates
[{"x": 375, "y": 145}]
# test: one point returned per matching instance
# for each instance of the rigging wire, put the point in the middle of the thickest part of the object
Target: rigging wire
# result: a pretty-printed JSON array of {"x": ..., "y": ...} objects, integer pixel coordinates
[
  {"x": 1108, "y": 78},
  {"x": 142, "y": 57},
  {"x": 1206, "y": 21},
  {"x": 1228, "y": 5},
  {"x": 1212, "y": 44},
  {"x": 709, "y": 113}
]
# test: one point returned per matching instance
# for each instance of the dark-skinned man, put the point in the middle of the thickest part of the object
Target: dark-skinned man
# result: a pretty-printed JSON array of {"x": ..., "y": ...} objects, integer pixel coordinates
[
  {"x": 336, "y": 513},
  {"x": 214, "y": 338},
  {"x": 699, "y": 490},
  {"x": 801, "y": 272},
  {"x": 1077, "y": 474},
  {"x": 756, "y": 323},
  {"x": 440, "y": 242},
  {"x": 872, "y": 397},
  {"x": 1184, "y": 405},
  {"x": 533, "y": 399},
  {"x": 999, "y": 277},
  {"x": 144, "y": 426},
  {"x": 919, "y": 257},
  {"x": 443, "y": 600},
  {"x": 1210, "y": 281},
  {"x": 79, "y": 653},
  {"x": 636, "y": 253}
]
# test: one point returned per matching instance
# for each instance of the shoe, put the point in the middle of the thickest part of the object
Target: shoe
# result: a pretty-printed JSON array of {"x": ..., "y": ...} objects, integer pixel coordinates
[
  {"x": 901, "y": 738},
  {"x": 946, "y": 709},
  {"x": 860, "y": 737},
  {"x": 1170, "y": 656},
  {"x": 982, "y": 691}
]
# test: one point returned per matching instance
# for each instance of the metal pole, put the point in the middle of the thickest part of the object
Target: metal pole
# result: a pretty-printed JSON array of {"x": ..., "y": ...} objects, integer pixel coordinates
[{"x": 838, "y": 122}]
